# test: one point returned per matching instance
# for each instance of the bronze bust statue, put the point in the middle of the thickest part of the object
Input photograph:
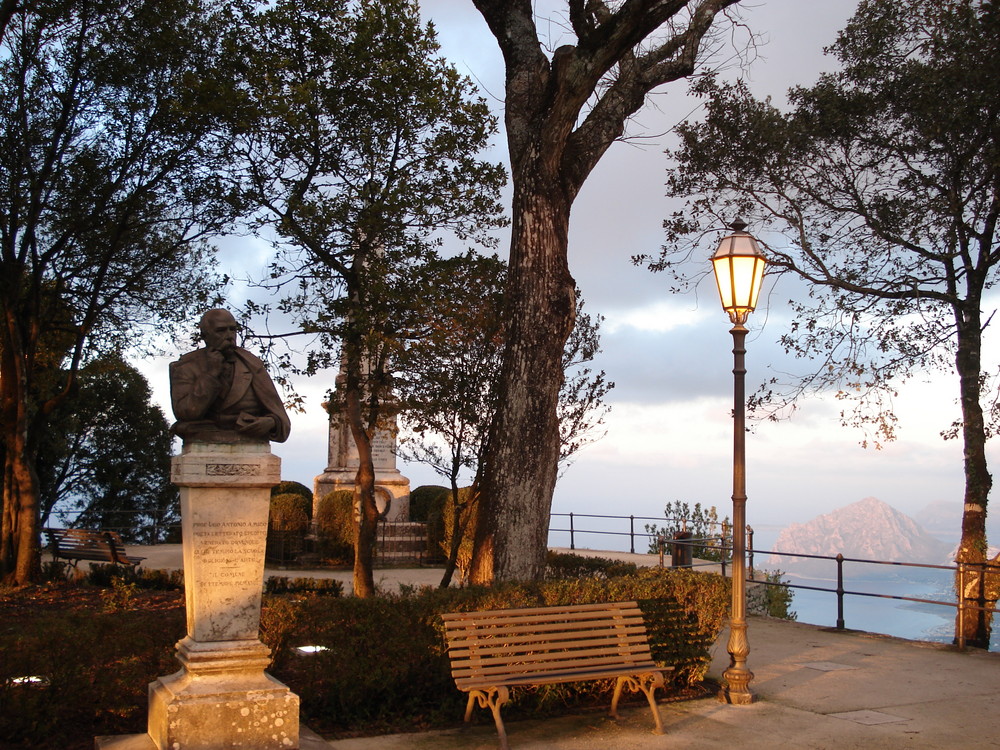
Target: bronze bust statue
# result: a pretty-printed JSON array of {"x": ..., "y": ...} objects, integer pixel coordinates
[{"x": 222, "y": 393}]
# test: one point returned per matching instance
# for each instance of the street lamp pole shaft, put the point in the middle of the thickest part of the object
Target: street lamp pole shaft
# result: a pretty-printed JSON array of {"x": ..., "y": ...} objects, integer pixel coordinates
[{"x": 738, "y": 677}]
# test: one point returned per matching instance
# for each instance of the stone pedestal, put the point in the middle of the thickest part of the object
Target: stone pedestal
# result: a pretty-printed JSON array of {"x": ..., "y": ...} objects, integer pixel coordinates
[
  {"x": 392, "y": 489},
  {"x": 222, "y": 697}
]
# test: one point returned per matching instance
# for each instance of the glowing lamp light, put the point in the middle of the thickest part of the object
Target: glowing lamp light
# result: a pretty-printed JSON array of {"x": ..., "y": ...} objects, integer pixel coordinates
[{"x": 739, "y": 271}]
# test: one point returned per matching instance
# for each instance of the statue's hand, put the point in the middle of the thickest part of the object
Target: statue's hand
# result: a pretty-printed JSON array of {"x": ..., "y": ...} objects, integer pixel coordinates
[
  {"x": 215, "y": 360},
  {"x": 257, "y": 427}
]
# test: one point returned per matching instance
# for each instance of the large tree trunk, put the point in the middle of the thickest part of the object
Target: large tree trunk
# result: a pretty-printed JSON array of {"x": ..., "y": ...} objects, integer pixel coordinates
[
  {"x": 975, "y": 623},
  {"x": 561, "y": 115},
  {"x": 20, "y": 553},
  {"x": 521, "y": 464},
  {"x": 364, "y": 489}
]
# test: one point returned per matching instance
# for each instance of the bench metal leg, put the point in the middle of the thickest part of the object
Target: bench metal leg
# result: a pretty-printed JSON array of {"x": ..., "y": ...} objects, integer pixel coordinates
[
  {"x": 492, "y": 698},
  {"x": 647, "y": 683}
]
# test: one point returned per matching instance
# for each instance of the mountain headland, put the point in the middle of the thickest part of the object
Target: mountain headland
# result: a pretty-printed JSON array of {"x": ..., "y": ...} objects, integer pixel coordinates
[{"x": 868, "y": 529}]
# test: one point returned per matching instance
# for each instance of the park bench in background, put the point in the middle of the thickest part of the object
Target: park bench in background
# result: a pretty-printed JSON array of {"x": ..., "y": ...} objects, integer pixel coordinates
[
  {"x": 85, "y": 544},
  {"x": 492, "y": 651}
]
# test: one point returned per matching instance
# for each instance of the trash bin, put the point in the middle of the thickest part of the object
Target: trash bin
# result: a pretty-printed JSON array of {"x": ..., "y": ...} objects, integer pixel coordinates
[{"x": 681, "y": 555}]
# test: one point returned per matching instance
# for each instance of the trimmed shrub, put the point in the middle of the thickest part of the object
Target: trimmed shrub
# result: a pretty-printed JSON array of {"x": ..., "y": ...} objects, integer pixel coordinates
[
  {"x": 289, "y": 487},
  {"x": 426, "y": 499},
  {"x": 335, "y": 525},
  {"x": 559, "y": 565},
  {"x": 93, "y": 668},
  {"x": 289, "y": 512},
  {"x": 385, "y": 667},
  {"x": 283, "y": 585}
]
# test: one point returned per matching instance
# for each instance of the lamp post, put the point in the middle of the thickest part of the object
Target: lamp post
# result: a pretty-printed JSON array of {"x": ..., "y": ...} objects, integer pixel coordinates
[{"x": 739, "y": 269}]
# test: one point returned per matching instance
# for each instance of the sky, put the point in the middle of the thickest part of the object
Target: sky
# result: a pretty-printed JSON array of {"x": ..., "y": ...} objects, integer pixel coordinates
[{"x": 669, "y": 432}]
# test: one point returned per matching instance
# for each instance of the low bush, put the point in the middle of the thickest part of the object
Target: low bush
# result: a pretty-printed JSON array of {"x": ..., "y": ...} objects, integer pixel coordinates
[
  {"x": 108, "y": 576},
  {"x": 289, "y": 512},
  {"x": 376, "y": 652},
  {"x": 425, "y": 500},
  {"x": 383, "y": 665},
  {"x": 70, "y": 674},
  {"x": 567, "y": 565},
  {"x": 335, "y": 526},
  {"x": 283, "y": 585},
  {"x": 288, "y": 487}
]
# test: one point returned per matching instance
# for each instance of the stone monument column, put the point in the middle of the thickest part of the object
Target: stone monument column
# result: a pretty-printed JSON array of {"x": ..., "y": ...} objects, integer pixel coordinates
[
  {"x": 222, "y": 697},
  {"x": 392, "y": 489}
]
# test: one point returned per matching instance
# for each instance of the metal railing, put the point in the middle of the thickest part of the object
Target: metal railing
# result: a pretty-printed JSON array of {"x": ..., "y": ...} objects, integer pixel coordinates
[{"x": 965, "y": 607}]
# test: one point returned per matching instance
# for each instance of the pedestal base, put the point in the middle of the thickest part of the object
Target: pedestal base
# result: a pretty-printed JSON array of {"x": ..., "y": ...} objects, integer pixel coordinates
[
  {"x": 392, "y": 491},
  {"x": 222, "y": 699}
]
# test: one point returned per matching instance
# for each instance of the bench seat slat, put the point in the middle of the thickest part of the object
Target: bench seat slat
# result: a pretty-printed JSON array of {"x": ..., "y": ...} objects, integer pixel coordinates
[
  {"x": 555, "y": 677},
  {"x": 501, "y": 676},
  {"x": 490, "y": 629}
]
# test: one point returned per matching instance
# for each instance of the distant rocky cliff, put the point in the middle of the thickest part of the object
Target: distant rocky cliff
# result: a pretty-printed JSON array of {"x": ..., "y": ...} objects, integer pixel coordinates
[{"x": 868, "y": 529}]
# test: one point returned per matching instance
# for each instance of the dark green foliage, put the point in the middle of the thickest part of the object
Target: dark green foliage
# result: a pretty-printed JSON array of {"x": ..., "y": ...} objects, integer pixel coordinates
[
  {"x": 289, "y": 512},
  {"x": 287, "y": 525},
  {"x": 427, "y": 500},
  {"x": 283, "y": 585},
  {"x": 107, "y": 575},
  {"x": 380, "y": 648},
  {"x": 96, "y": 666},
  {"x": 335, "y": 525},
  {"x": 105, "y": 455},
  {"x": 289, "y": 487},
  {"x": 385, "y": 668},
  {"x": 427, "y": 504},
  {"x": 567, "y": 565}
]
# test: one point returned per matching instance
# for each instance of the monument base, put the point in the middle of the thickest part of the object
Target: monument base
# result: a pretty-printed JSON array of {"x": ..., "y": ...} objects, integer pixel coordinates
[
  {"x": 392, "y": 491},
  {"x": 222, "y": 698}
]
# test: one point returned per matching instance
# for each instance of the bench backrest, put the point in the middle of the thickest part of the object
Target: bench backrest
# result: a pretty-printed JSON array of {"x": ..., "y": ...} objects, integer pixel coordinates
[
  {"x": 507, "y": 644},
  {"x": 85, "y": 541}
]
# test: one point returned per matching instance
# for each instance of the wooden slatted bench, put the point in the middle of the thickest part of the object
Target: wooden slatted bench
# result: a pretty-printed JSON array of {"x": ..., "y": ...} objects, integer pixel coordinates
[
  {"x": 85, "y": 544},
  {"x": 492, "y": 651}
]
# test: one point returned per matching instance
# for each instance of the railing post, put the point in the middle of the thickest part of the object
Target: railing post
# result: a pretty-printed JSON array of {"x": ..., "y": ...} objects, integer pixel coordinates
[
  {"x": 840, "y": 591},
  {"x": 572, "y": 539},
  {"x": 631, "y": 532},
  {"x": 750, "y": 550},
  {"x": 960, "y": 636}
]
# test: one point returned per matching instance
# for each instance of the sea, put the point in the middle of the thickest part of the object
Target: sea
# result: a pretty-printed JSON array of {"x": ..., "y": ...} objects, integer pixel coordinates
[{"x": 878, "y": 603}]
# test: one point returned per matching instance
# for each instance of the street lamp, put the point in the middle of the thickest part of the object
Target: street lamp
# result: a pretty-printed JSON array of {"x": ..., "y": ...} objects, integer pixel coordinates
[{"x": 739, "y": 270}]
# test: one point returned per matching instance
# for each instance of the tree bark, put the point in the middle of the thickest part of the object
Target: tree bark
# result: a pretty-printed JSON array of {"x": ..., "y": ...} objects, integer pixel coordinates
[
  {"x": 521, "y": 464},
  {"x": 20, "y": 551},
  {"x": 364, "y": 485},
  {"x": 976, "y": 624},
  {"x": 619, "y": 58}
]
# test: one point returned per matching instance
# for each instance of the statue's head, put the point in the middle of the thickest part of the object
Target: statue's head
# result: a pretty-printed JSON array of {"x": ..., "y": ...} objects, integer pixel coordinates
[{"x": 218, "y": 329}]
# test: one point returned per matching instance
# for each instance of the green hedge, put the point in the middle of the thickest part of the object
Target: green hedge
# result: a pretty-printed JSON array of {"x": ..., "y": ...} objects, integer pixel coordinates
[
  {"x": 379, "y": 649},
  {"x": 385, "y": 670}
]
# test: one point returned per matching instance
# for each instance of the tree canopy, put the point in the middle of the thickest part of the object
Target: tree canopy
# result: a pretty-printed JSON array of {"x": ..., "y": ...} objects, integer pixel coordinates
[
  {"x": 879, "y": 186},
  {"x": 362, "y": 155},
  {"x": 104, "y": 459},
  {"x": 113, "y": 147}
]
